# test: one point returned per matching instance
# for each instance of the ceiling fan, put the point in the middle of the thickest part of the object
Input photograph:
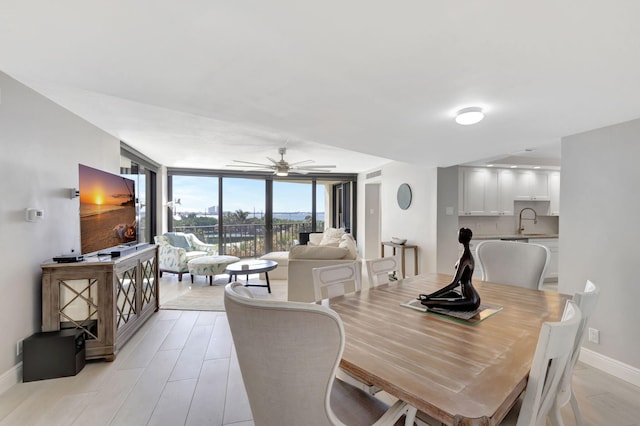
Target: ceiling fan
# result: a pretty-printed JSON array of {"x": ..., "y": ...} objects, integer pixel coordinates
[{"x": 283, "y": 168}]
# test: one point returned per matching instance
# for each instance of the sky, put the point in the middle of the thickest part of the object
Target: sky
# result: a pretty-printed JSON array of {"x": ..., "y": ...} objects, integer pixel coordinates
[
  {"x": 98, "y": 187},
  {"x": 197, "y": 193}
]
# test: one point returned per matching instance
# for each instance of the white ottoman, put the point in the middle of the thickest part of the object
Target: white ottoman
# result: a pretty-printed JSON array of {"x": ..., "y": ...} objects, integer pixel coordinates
[
  {"x": 210, "y": 265},
  {"x": 282, "y": 271}
]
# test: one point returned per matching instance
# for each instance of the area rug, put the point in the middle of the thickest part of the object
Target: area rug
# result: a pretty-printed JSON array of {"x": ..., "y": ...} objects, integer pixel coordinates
[{"x": 203, "y": 297}]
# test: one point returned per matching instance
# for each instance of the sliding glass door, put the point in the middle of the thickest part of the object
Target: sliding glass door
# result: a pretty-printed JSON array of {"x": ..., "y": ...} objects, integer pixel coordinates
[
  {"x": 243, "y": 217},
  {"x": 194, "y": 207},
  {"x": 292, "y": 212}
]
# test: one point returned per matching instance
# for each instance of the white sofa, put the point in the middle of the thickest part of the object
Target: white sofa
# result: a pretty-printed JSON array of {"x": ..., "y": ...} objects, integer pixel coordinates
[
  {"x": 282, "y": 271},
  {"x": 303, "y": 258}
]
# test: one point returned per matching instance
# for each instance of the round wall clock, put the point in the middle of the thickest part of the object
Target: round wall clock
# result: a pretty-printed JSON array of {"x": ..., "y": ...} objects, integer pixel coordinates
[{"x": 404, "y": 196}]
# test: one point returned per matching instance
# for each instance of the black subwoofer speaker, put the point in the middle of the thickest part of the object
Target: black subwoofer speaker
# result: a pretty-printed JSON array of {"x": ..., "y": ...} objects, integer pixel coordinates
[{"x": 53, "y": 354}]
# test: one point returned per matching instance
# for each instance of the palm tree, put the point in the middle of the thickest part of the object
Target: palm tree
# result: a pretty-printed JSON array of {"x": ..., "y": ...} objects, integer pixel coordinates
[{"x": 240, "y": 216}]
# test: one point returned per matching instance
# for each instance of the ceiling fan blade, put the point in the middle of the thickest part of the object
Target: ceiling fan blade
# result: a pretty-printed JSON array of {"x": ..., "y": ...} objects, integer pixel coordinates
[
  {"x": 272, "y": 160},
  {"x": 249, "y": 167},
  {"x": 252, "y": 163},
  {"x": 316, "y": 167},
  {"x": 300, "y": 162}
]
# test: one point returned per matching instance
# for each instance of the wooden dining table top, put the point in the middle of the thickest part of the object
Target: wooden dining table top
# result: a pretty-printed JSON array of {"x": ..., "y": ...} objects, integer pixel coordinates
[{"x": 456, "y": 373}]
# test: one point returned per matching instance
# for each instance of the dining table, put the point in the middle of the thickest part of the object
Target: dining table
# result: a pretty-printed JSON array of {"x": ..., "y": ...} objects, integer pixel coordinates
[{"x": 455, "y": 372}]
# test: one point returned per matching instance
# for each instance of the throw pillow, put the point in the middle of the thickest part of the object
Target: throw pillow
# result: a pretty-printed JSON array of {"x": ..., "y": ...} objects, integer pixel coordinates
[
  {"x": 331, "y": 237},
  {"x": 349, "y": 243},
  {"x": 317, "y": 252},
  {"x": 178, "y": 239}
]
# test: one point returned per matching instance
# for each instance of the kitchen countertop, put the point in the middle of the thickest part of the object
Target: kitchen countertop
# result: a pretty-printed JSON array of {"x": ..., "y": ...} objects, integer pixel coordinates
[{"x": 514, "y": 236}]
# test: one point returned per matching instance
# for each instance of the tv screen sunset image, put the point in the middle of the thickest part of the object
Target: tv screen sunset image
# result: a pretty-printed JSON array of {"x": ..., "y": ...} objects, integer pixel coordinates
[{"x": 107, "y": 210}]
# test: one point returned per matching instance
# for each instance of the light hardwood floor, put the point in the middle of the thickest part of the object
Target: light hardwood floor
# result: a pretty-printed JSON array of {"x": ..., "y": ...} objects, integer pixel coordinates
[{"x": 180, "y": 369}]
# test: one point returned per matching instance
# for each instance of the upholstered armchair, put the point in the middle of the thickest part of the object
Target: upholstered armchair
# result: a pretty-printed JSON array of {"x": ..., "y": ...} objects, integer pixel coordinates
[{"x": 176, "y": 249}]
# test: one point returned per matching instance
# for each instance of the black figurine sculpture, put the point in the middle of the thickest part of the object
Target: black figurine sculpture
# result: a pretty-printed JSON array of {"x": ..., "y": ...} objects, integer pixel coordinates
[{"x": 449, "y": 297}]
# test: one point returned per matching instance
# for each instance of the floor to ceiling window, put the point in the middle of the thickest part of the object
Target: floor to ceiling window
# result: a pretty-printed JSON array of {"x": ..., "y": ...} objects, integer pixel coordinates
[
  {"x": 143, "y": 172},
  {"x": 194, "y": 207},
  {"x": 249, "y": 214},
  {"x": 243, "y": 217},
  {"x": 293, "y": 212}
]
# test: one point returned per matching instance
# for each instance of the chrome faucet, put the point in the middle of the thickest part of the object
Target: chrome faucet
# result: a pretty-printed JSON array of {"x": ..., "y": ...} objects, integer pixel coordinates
[{"x": 535, "y": 219}]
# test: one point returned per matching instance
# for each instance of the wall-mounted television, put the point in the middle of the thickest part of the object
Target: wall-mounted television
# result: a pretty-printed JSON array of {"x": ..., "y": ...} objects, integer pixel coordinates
[{"x": 107, "y": 210}]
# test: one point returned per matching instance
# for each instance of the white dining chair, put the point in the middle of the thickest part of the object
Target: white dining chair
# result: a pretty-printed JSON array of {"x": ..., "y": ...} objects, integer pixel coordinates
[
  {"x": 552, "y": 355},
  {"x": 378, "y": 270},
  {"x": 333, "y": 279},
  {"x": 288, "y": 353},
  {"x": 509, "y": 262},
  {"x": 587, "y": 302},
  {"x": 329, "y": 281}
]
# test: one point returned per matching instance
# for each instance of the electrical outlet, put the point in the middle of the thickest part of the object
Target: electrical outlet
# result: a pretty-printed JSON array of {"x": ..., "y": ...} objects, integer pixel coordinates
[
  {"x": 19, "y": 348},
  {"x": 594, "y": 335}
]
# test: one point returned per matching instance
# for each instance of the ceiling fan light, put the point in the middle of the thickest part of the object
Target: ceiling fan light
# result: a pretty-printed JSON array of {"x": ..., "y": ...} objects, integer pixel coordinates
[
  {"x": 468, "y": 116},
  {"x": 282, "y": 171}
]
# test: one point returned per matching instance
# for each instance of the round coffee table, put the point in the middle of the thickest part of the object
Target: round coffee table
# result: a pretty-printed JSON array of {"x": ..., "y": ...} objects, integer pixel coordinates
[{"x": 246, "y": 267}]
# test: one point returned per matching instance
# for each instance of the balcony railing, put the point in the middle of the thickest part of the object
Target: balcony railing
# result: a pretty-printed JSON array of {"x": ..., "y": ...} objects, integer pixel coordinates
[{"x": 248, "y": 240}]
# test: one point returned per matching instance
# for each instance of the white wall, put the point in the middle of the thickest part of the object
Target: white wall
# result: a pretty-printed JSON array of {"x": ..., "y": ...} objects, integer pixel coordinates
[
  {"x": 599, "y": 225},
  {"x": 418, "y": 223},
  {"x": 448, "y": 222},
  {"x": 371, "y": 225},
  {"x": 42, "y": 145}
]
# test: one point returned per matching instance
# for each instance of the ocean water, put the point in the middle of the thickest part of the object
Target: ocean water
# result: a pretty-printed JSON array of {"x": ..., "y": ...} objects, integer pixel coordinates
[{"x": 299, "y": 216}]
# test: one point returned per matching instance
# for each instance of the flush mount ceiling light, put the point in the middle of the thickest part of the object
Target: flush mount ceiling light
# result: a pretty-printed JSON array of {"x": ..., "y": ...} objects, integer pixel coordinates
[{"x": 471, "y": 115}]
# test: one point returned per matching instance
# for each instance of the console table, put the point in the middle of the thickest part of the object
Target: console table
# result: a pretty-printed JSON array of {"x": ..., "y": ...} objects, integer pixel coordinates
[
  {"x": 108, "y": 298},
  {"x": 402, "y": 248}
]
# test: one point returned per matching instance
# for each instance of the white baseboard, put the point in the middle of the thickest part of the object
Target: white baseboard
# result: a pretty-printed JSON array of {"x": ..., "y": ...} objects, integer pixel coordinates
[
  {"x": 611, "y": 366},
  {"x": 11, "y": 377}
]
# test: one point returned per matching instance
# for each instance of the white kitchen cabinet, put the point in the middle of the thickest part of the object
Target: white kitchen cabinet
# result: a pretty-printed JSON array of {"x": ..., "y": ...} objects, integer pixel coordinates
[
  {"x": 553, "y": 245},
  {"x": 554, "y": 193},
  {"x": 478, "y": 192},
  {"x": 487, "y": 191},
  {"x": 506, "y": 191},
  {"x": 532, "y": 185}
]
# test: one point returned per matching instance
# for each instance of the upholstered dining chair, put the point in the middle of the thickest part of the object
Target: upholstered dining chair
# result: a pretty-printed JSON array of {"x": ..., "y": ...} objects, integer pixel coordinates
[
  {"x": 332, "y": 279},
  {"x": 509, "y": 262},
  {"x": 378, "y": 270},
  {"x": 586, "y": 301},
  {"x": 288, "y": 354},
  {"x": 552, "y": 355}
]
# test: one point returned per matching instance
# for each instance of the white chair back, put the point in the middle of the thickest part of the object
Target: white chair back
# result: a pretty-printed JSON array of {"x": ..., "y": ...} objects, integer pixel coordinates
[
  {"x": 509, "y": 262},
  {"x": 333, "y": 279},
  {"x": 553, "y": 351},
  {"x": 587, "y": 302},
  {"x": 288, "y": 354},
  {"x": 378, "y": 270}
]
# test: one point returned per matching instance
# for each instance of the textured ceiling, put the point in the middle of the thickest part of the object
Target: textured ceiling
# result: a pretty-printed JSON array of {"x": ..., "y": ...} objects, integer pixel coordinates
[{"x": 351, "y": 83}]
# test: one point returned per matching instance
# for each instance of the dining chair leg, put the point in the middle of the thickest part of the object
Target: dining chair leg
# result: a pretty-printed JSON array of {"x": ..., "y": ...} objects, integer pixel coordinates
[
  {"x": 555, "y": 416},
  {"x": 576, "y": 410}
]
